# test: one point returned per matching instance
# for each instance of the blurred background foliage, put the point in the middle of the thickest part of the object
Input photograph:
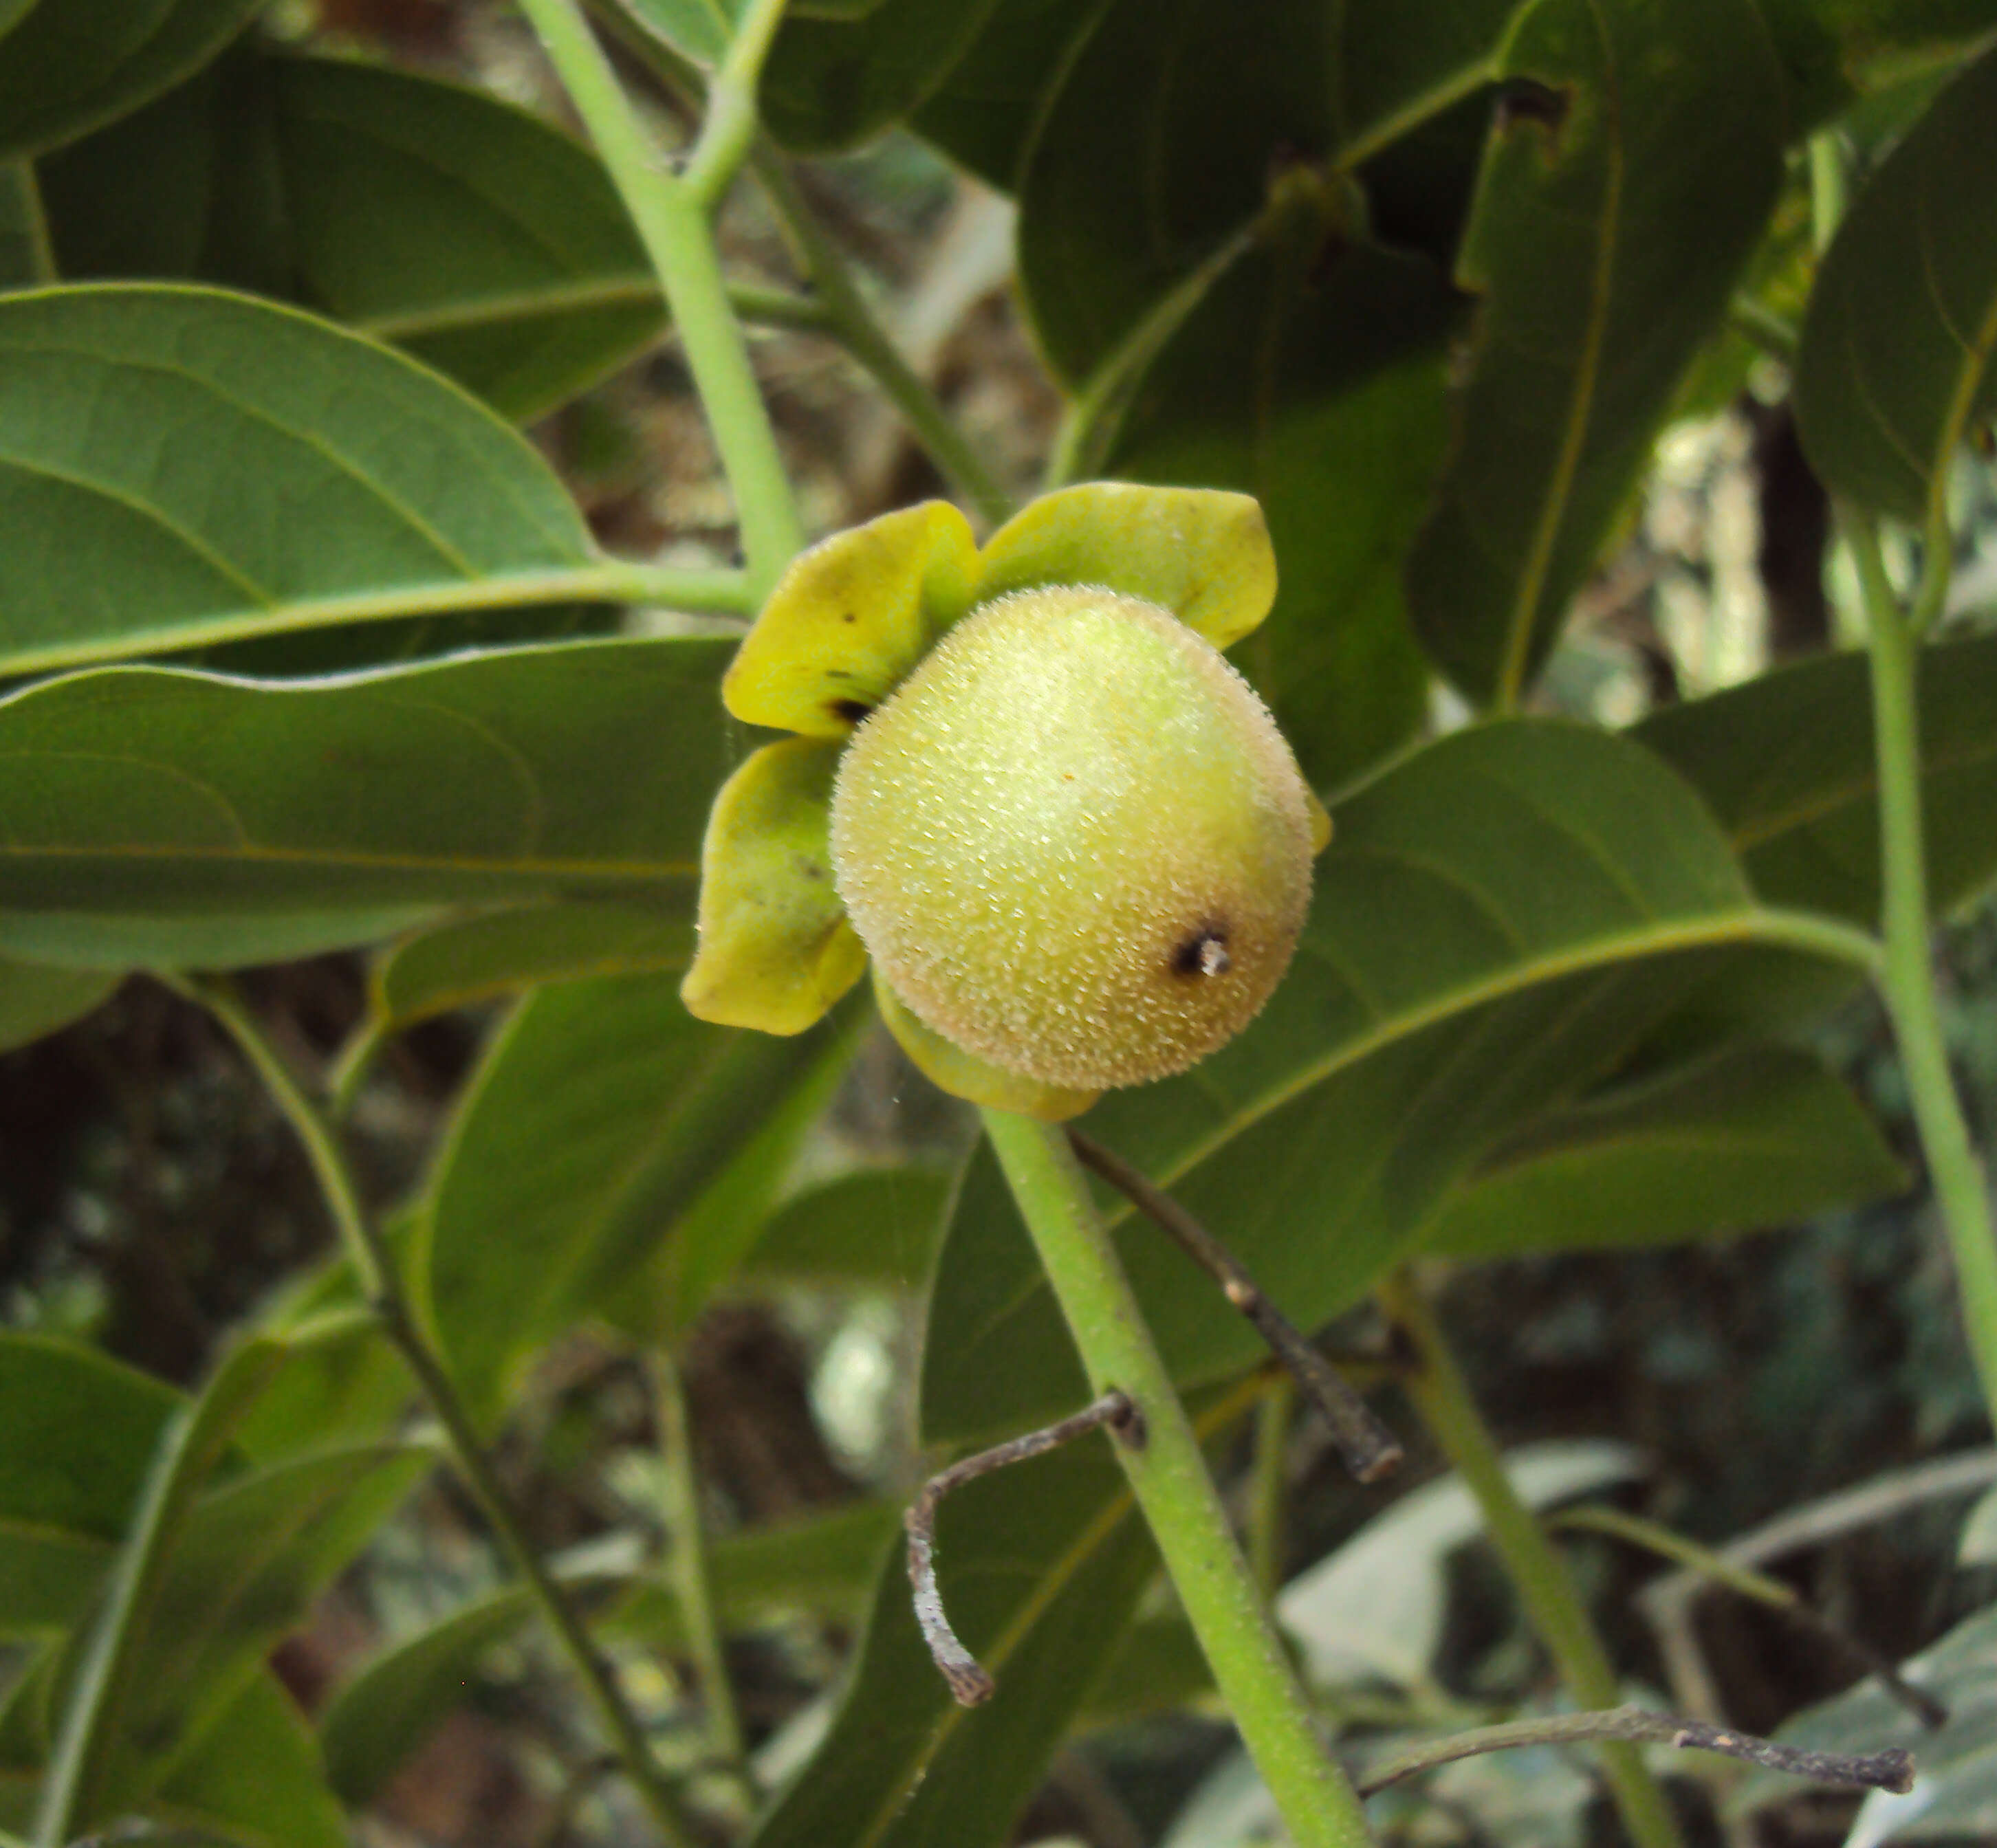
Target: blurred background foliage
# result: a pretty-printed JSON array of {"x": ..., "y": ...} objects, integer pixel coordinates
[{"x": 150, "y": 1196}]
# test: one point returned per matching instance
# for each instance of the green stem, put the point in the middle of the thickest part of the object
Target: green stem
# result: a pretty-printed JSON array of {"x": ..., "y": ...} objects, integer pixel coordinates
[
  {"x": 687, "y": 1559},
  {"x": 731, "y": 125},
  {"x": 1908, "y": 983},
  {"x": 373, "y": 1265},
  {"x": 1169, "y": 1477},
  {"x": 850, "y": 321},
  {"x": 1440, "y": 1394},
  {"x": 672, "y": 223}
]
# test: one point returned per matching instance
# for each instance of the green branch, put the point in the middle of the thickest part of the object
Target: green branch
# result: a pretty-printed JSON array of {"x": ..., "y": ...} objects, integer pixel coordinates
[
  {"x": 1169, "y": 1477},
  {"x": 851, "y": 322},
  {"x": 1907, "y": 982},
  {"x": 672, "y": 223},
  {"x": 731, "y": 125},
  {"x": 1443, "y": 1398},
  {"x": 374, "y": 1267}
]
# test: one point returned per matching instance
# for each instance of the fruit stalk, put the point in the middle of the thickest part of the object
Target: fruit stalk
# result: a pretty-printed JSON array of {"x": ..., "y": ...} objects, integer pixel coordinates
[{"x": 1170, "y": 1479}]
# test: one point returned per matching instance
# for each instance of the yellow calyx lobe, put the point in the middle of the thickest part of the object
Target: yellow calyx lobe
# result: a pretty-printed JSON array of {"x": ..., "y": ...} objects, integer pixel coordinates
[{"x": 1073, "y": 840}]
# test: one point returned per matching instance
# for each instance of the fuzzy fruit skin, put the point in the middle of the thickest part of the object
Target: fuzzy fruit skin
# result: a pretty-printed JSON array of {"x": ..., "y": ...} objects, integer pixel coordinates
[{"x": 1073, "y": 841}]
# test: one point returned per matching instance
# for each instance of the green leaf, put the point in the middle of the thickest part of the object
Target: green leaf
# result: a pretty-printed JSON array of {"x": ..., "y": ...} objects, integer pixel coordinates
[
  {"x": 471, "y": 960},
  {"x": 257, "y": 1778},
  {"x": 67, "y": 66},
  {"x": 1041, "y": 1566},
  {"x": 252, "y": 1556},
  {"x": 1785, "y": 762},
  {"x": 606, "y": 1127},
  {"x": 1158, "y": 143},
  {"x": 1311, "y": 377},
  {"x": 833, "y": 83},
  {"x": 385, "y": 1710},
  {"x": 35, "y": 999},
  {"x": 184, "y": 818},
  {"x": 266, "y": 472},
  {"x": 207, "y": 1577},
  {"x": 1756, "y": 1136},
  {"x": 1628, "y": 180},
  {"x": 1501, "y": 918},
  {"x": 878, "y": 1228},
  {"x": 1895, "y": 370},
  {"x": 699, "y": 29},
  {"x": 983, "y": 113},
  {"x": 476, "y": 237},
  {"x": 81, "y": 1429},
  {"x": 1955, "y": 1799}
]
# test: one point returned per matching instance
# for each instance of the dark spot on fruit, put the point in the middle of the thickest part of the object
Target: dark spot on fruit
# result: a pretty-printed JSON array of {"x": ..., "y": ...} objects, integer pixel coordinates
[
  {"x": 1205, "y": 952},
  {"x": 849, "y": 617},
  {"x": 851, "y": 710}
]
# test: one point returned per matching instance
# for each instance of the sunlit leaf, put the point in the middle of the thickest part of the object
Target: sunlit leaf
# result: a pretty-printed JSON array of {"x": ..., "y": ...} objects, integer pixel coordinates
[{"x": 264, "y": 472}]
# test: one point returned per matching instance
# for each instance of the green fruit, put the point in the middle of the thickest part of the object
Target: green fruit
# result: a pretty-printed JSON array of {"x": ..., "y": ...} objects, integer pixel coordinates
[{"x": 1073, "y": 841}]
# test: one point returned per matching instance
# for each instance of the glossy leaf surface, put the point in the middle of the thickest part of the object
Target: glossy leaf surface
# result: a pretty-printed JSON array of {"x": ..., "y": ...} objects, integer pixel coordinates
[
  {"x": 1499, "y": 917},
  {"x": 263, "y": 472},
  {"x": 162, "y": 814},
  {"x": 1612, "y": 216},
  {"x": 1896, "y": 364}
]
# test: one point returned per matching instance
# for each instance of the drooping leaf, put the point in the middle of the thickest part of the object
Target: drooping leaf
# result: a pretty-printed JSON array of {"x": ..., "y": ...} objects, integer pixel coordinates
[
  {"x": 1757, "y": 1135},
  {"x": 477, "y": 237},
  {"x": 1313, "y": 378},
  {"x": 606, "y": 1129},
  {"x": 155, "y": 815},
  {"x": 1629, "y": 177},
  {"x": 471, "y": 961},
  {"x": 1785, "y": 762},
  {"x": 1040, "y": 1567},
  {"x": 1500, "y": 918},
  {"x": 1895, "y": 368},
  {"x": 265, "y": 472},
  {"x": 35, "y": 999},
  {"x": 67, "y": 66}
]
